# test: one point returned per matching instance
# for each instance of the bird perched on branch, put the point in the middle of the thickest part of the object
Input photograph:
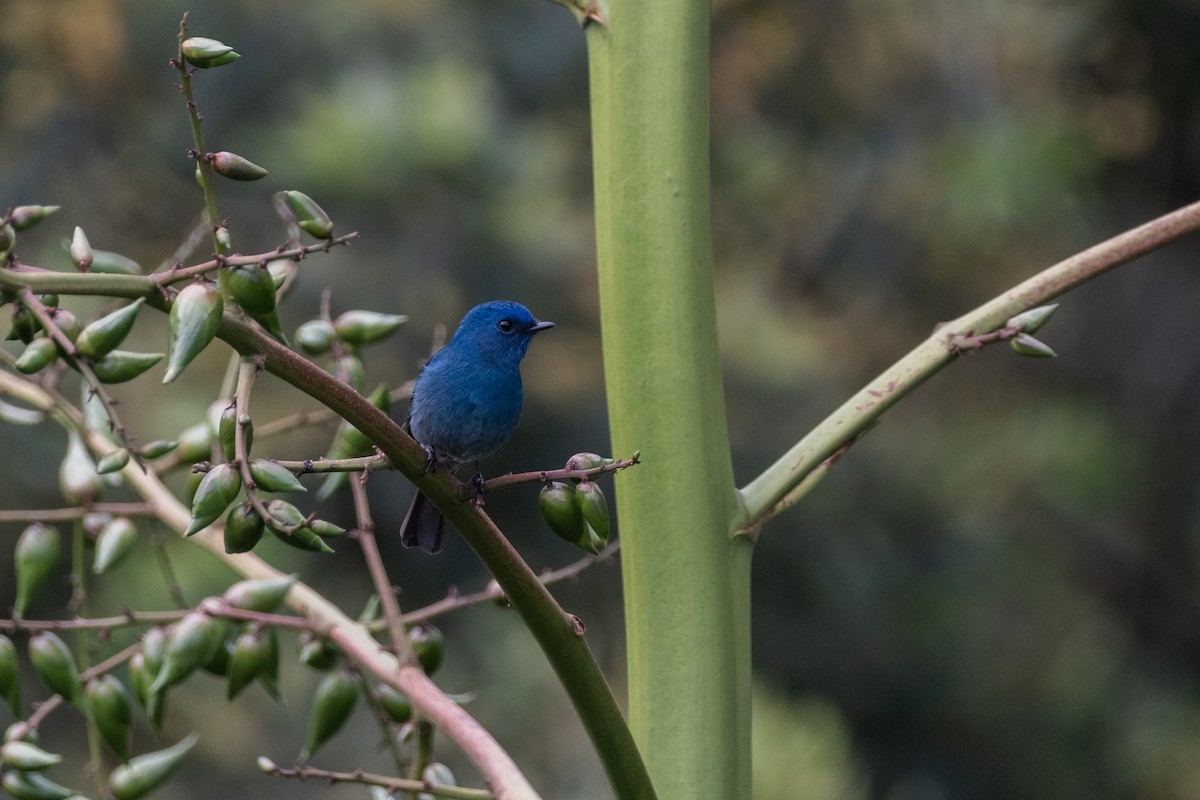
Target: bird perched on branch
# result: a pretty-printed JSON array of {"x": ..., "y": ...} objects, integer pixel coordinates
[{"x": 467, "y": 400}]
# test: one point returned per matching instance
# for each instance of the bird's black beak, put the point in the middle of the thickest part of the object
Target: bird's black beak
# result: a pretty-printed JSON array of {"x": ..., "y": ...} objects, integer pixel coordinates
[{"x": 539, "y": 325}]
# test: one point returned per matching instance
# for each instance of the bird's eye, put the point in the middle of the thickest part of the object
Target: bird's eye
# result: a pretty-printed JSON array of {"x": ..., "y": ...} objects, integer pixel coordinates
[{"x": 505, "y": 325}]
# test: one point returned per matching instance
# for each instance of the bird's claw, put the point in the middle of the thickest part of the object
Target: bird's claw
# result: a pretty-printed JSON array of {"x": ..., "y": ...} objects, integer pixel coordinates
[
  {"x": 430, "y": 459},
  {"x": 477, "y": 485}
]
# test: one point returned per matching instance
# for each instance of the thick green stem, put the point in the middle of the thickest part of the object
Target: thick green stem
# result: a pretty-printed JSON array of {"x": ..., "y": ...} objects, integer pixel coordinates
[{"x": 686, "y": 578}]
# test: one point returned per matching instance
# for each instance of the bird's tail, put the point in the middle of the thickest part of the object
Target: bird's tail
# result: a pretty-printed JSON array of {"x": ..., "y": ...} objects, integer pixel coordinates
[{"x": 422, "y": 526}]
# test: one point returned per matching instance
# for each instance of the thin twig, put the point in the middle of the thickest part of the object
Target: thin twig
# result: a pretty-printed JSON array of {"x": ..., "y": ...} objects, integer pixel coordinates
[{"x": 371, "y": 779}]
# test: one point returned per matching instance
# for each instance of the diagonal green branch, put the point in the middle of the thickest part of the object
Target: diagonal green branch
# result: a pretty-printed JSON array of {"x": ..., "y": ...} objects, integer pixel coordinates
[{"x": 762, "y": 496}]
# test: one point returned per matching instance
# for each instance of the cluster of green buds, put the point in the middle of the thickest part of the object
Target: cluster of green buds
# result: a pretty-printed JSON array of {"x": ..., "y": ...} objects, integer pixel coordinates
[
  {"x": 1028, "y": 322},
  {"x": 21, "y": 218},
  {"x": 578, "y": 511},
  {"x": 253, "y": 287},
  {"x": 96, "y": 342},
  {"x": 344, "y": 338}
]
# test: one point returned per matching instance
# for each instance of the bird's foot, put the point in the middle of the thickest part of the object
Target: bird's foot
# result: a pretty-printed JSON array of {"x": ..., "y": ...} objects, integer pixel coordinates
[
  {"x": 477, "y": 486},
  {"x": 430, "y": 459}
]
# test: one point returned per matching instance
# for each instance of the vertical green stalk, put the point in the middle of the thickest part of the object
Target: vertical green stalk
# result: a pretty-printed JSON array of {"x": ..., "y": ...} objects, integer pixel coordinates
[{"x": 685, "y": 575}]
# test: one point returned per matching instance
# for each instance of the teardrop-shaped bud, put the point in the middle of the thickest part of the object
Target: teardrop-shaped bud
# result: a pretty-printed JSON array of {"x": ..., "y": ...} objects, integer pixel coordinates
[
  {"x": 1029, "y": 321},
  {"x": 559, "y": 506},
  {"x": 123, "y": 365},
  {"x": 394, "y": 704},
  {"x": 288, "y": 525},
  {"x": 77, "y": 478},
  {"x": 429, "y": 644},
  {"x": 1026, "y": 345},
  {"x": 438, "y": 774},
  {"x": 271, "y": 476},
  {"x": 108, "y": 705},
  {"x": 195, "y": 317},
  {"x": 200, "y": 51},
  {"x": 195, "y": 443},
  {"x": 113, "y": 543},
  {"x": 158, "y": 448},
  {"x": 10, "y": 676},
  {"x": 227, "y": 426},
  {"x": 27, "y": 757},
  {"x": 235, "y": 167},
  {"x": 217, "y": 490},
  {"x": 311, "y": 218},
  {"x": 334, "y": 701},
  {"x": 594, "y": 508},
  {"x": 33, "y": 786},
  {"x": 582, "y": 461},
  {"x": 25, "y": 217},
  {"x": 269, "y": 676},
  {"x": 252, "y": 287},
  {"x": 110, "y": 263},
  {"x": 80, "y": 250},
  {"x": 243, "y": 528},
  {"x": 8, "y": 238},
  {"x": 102, "y": 336},
  {"x": 190, "y": 643},
  {"x": 365, "y": 327},
  {"x": 34, "y": 560},
  {"x": 317, "y": 652},
  {"x": 112, "y": 462},
  {"x": 326, "y": 529},
  {"x": 315, "y": 337},
  {"x": 148, "y": 771},
  {"x": 39, "y": 354},
  {"x": 54, "y": 665},
  {"x": 218, "y": 659},
  {"x": 281, "y": 269},
  {"x": 223, "y": 239},
  {"x": 66, "y": 322},
  {"x": 24, "y": 325},
  {"x": 348, "y": 368},
  {"x": 251, "y": 653},
  {"x": 264, "y": 595}
]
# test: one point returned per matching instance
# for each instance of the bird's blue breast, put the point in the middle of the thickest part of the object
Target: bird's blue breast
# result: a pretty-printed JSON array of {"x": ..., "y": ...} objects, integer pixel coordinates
[{"x": 464, "y": 406}]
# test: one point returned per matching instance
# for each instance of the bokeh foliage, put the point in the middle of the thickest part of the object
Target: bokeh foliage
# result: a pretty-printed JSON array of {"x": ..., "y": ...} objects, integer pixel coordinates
[{"x": 990, "y": 597}]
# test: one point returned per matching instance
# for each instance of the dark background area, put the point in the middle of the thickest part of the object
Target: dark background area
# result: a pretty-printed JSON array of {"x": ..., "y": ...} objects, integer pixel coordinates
[{"x": 992, "y": 596}]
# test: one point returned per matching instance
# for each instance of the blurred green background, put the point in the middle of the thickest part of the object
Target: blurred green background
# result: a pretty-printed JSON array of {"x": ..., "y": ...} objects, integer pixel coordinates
[{"x": 992, "y": 596}]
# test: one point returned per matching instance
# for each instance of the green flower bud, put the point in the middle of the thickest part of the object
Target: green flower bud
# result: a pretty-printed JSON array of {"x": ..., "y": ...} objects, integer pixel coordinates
[
  {"x": 1026, "y": 345},
  {"x": 8, "y": 237},
  {"x": 227, "y": 425},
  {"x": 224, "y": 242},
  {"x": 217, "y": 490},
  {"x": 288, "y": 525},
  {"x": 207, "y": 53},
  {"x": 252, "y": 287},
  {"x": 102, "y": 336},
  {"x": 10, "y": 676},
  {"x": 81, "y": 250},
  {"x": 20, "y": 732},
  {"x": 195, "y": 443},
  {"x": 1029, "y": 321},
  {"x": 120, "y": 366},
  {"x": 559, "y": 506},
  {"x": 311, "y": 218},
  {"x": 77, "y": 477},
  {"x": 148, "y": 771},
  {"x": 34, "y": 559},
  {"x": 39, "y": 354},
  {"x": 195, "y": 317},
  {"x": 251, "y": 652},
  {"x": 243, "y": 528},
  {"x": 281, "y": 269},
  {"x": 270, "y": 476},
  {"x": 429, "y": 644},
  {"x": 365, "y": 327},
  {"x": 115, "y": 541},
  {"x": 27, "y": 757},
  {"x": 108, "y": 706},
  {"x": 190, "y": 642},
  {"x": 315, "y": 337},
  {"x": 235, "y": 167},
  {"x": 54, "y": 665},
  {"x": 326, "y": 529},
  {"x": 33, "y": 786},
  {"x": 144, "y": 667},
  {"x": 349, "y": 370},
  {"x": 269, "y": 676},
  {"x": 112, "y": 462},
  {"x": 394, "y": 704},
  {"x": 25, "y": 217},
  {"x": 24, "y": 325},
  {"x": 317, "y": 653},
  {"x": 264, "y": 595},
  {"x": 349, "y": 442},
  {"x": 595, "y": 510},
  {"x": 334, "y": 701},
  {"x": 110, "y": 263},
  {"x": 583, "y": 461},
  {"x": 48, "y": 300},
  {"x": 217, "y": 662},
  {"x": 66, "y": 322},
  {"x": 158, "y": 448}
]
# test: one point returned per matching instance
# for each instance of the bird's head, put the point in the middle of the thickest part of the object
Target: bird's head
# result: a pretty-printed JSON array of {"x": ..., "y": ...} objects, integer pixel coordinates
[{"x": 501, "y": 328}]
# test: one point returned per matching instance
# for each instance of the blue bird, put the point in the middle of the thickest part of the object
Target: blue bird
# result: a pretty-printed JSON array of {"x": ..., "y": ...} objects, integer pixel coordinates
[{"x": 467, "y": 400}]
